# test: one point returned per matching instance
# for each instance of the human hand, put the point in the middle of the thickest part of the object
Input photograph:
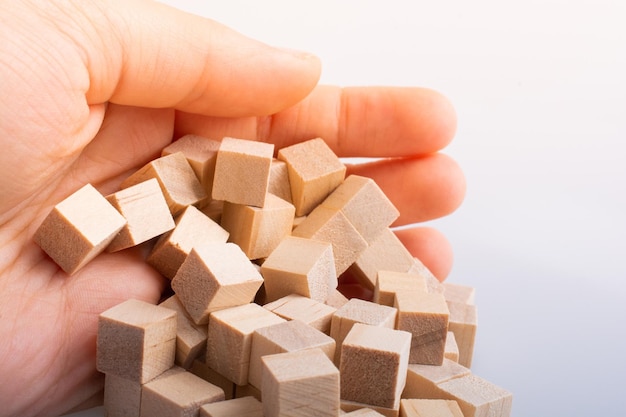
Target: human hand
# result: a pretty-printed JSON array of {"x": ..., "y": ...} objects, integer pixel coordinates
[{"x": 93, "y": 90}]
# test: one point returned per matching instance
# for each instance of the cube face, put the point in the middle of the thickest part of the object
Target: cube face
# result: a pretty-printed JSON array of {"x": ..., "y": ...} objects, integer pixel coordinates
[
  {"x": 297, "y": 307},
  {"x": 360, "y": 311},
  {"x": 420, "y": 407},
  {"x": 388, "y": 283},
  {"x": 237, "y": 407},
  {"x": 477, "y": 397},
  {"x": 122, "y": 397},
  {"x": 201, "y": 153}
]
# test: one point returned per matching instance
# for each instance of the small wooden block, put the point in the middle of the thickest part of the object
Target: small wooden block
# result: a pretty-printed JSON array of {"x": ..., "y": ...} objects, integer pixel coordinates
[
  {"x": 289, "y": 336},
  {"x": 230, "y": 339},
  {"x": 258, "y": 230},
  {"x": 297, "y": 307},
  {"x": 459, "y": 293},
  {"x": 452, "y": 348},
  {"x": 314, "y": 172},
  {"x": 69, "y": 234},
  {"x": 177, "y": 393},
  {"x": 302, "y": 383},
  {"x": 179, "y": 184},
  {"x": 213, "y": 277},
  {"x": 422, "y": 380},
  {"x": 336, "y": 299},
  {"x": 279, "y": 180},
  {"x": 429, "y": 408},
  {"x": 425, "y": 316},
  {"x": 363, "y": 412},
  {"x": 388, "y": 283},
  {"x": 242, "y": 171},
  {"x": 146, "y": 212},
  {"x": 373, "y": 365},
  {"x": 477, "y": 397},
  {"x": 122, "y": 397},
  {"x": 356, "y": 407},
  {"x": 136, "y": 340},
  {"x": 299, "y": 266},
  {"x": 364, "y": 204},
  {"x": 201, "y": 153},
  {"x": 332, "y": 226},
  {"x": 432, "y": 283},
  {"x": 237, "y": 407},
  {"x": 193, "y": 228},
  {"x": 464, "y": 323},
  {"x": 190, "y": 337}
]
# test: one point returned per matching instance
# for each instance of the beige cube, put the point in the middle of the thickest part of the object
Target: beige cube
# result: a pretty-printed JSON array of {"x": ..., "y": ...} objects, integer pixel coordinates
[
  {"x": 279, "y": 180},
  {"x": 429, "y": 408},
  {"x": 297, "y": 307},
  {"x": 452, "y": 348},
  {"x": 477, "y": 397},
  {"x": 464, "y": 324},
  {"x": 351, "y": 407},
  {"x": 458, "y": 293},
  {"x": 237, "y": 407},
  {"x": 388, "y": 283},
  {"x": 422, "y": 381},
  {"x": 122, "y": 397}
]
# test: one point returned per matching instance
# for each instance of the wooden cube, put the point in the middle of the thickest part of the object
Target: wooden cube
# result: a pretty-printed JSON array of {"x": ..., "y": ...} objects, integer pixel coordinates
[
  {"x": 242, "y": 171},
  {"x": 477, "y": 397},
  {"x": 230, "y": 339},
  {"x": 136, "y": 340},
  {"x": 146, "y": 212},
  {"x": 122, "y": 397},
  {"x": 452, "y": 348},
  {"x": 204, "y": 371},
  {"x": 297, "y": 307},
  {"x": 289, "y": 336},
  {"x": 422, "y": 381},
  {"x": 299, "y": 266},
  {"x": 332, "y": 226},
  {"x": 69, "y": 234},
  {"x": 373, "y": 365},
  {"x": 388, "y": 283},
  {"x": 177, "y": 393},
  {"x": 464, "y": 323},
  {"x": 213, "y": 277},
  {"x": 425, "y": 316},
  {"x": 336, "y": 299},
  {"x": 258, "y": 230},
  {"x": 459, "y": 293},
  {"x": 429, "y": 408},
  {"x": 237, "y": 407},
  {"x": 279, "y": 180},
  {"x": 352, "y": 407},
  {"x": 432, "y": 283},
  {"x": 302, "y": 383},
  {"x": 314, "y": 172},
  {"x": 193, "y": 228},
  {"x": 179, "y": 184}
]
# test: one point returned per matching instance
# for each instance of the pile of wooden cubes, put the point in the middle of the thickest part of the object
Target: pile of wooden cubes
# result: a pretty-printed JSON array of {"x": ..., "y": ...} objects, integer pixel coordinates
[{"x": 255, "y": 247}]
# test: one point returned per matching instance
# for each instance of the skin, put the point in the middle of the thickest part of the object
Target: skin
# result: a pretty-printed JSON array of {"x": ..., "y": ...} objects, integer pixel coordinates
[{"x": 92, "y": 90}]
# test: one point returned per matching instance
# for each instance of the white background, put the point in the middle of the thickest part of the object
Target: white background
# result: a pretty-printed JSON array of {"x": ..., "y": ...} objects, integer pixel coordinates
[{"x": 540, "y": 92}]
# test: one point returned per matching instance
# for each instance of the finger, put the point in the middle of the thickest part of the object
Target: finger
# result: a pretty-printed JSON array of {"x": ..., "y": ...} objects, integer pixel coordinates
[
  {"x": 355, "y": 121},
  {"x": 431, "y": 247},
  {"x": 422, "y": 189}
]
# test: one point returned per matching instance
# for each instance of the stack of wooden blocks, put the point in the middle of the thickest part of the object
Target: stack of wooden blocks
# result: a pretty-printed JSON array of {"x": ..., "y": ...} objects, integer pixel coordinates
[{"x": 255, "y": 247}]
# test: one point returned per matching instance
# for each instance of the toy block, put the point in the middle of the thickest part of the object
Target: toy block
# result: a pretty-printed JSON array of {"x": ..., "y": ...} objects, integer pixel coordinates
[
  {"x": 359, "y": 311},
  {"x": 247, "y": 390},
  {"x": 215, "y": 276},
  {"x": 314, "y": 172},
  {"x": 202, "y": 370},
  {"x": 429, "y": 408},
  {"x": 332, "y": 226},
  {"x": 177, "y": 393},
  {"x": 451, "y": 351},
  {"x": 230, "y": 339},
  {"x": 432, "y": 283},
  {"x": 353, "y": 408},
  {"x": 136, "y": 340},
  {"x": 258, "y": 230},
  {"x": 364, "y": 204},
  {"x": 201, "y": 153},
  {"x": 71, "y": 236},
  {"x": 336, "y": 299},
  {"x": 299, "y": 266},
  {"x": 192, "y": 228},
  {"x": 477, "y": 397},
  {"x": 388, "y": 283},
  {"x": 363, "y": 412},
  {"x": 242, "y": 171},
  {"x": 289, "y": 336},
  {"x": 369, "y": 351},
  {"x": 146, "y": 212},
  {"x": 279, "y": 180},
  {"x": 422, "y": 381},
  {"x": 463, "y": 323},
  {"x": 297, "y": 307},
  {"x": 301, "y": 383},
  {"x": 190, "y": 337},
  {"x": 237, "y": 407},
  {"x": 459, "y": 293},
  {"x": 179, "y": 184},
  {"x": 122, "y": 397},
  {"x": 425, "y": 316}
]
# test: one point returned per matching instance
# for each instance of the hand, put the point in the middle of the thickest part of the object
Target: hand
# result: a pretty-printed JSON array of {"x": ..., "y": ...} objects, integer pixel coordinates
[{"x": 92, "y": 90}]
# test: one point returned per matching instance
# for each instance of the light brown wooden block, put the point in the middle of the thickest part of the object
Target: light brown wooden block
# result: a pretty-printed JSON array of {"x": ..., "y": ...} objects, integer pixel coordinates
[
  {"x": 364, "y": 204},
  {"x": 363, "y": 412},
  {"x": 297, "y": 307},
  {"x": 177, "y": 394},
  {"x": 314, "y": 172},
  {"x": 279, "y": 180},
  {"x": 289, "y": 336},
  {"x": 213, "y": 277},
  {"x": 136, "y": 340},
  {"x": 429, "y": 408},
  {"x": 193, "y": 228},
  {"x": 425, "y": 316},
  {"x": 230, "y": 339},
  {"x": 201, "y": 153},
  {"x": 202, "y": 370},
  {"x": 237, "y": 407},
  {"x": 432, "y": 283},
  {"x": 373, "y": 365},
  {"x": 146, "y": 212},
  {"x": 69, "y": 234},
  {"x": 422, "y": 380},
  {"x": 179, "y": 184},
  {"x": 300, "y": 266},
  {"x": 332, "y": 226},
  {"x": 477, "y": 397},
  {"x": 302, "y": 383},
  {"x": 122, "y": 397},
  {"x": 452, "y": 348},
  {"x": 388, "y": 283},
  {"x": 459, "y": 293},
  {"x": 336, "y": 299},
  {"x": 190, "y": 337},
  {"x": 258, "y": 230},
  {"x": 242, "y": 171},
  {"x": 464, "y": 323},
  {"x": 355, "y": 407}
]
